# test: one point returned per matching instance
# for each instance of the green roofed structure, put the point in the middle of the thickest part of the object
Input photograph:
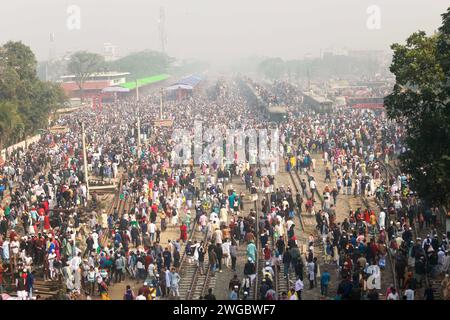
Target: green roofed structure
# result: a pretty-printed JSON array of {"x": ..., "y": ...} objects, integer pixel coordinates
[{"x": 145, "y": 81}]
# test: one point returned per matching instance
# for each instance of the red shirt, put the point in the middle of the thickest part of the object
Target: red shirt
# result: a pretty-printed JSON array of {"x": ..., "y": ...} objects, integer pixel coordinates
[
  {"x": 46, "y": 206},
  {"x": 46, "y": 222}
]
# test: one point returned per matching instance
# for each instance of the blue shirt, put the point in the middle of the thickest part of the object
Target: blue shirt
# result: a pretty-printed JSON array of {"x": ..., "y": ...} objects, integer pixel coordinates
[
  {"x": 233, "y": 295},
  {"x": 325, "y": 279}
]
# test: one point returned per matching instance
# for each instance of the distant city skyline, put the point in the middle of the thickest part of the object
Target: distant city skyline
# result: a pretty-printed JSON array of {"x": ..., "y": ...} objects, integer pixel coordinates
[{"x": 213, "y": 30}]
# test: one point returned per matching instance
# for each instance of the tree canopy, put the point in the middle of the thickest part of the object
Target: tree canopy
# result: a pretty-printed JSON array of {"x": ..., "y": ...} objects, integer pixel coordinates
[
  {"x": 25, "y": 101},
  {"x": 82, "y": 64},
  {"x": 421, "y": 101},
  {"x": 142, "y": 64}
]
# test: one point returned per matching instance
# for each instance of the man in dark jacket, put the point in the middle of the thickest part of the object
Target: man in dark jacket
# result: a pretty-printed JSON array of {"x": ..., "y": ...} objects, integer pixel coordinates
[
  {"x": 250, "y": 269},
  {"x": 286, "y": 262},
  {"x": 219, "y": 255}
]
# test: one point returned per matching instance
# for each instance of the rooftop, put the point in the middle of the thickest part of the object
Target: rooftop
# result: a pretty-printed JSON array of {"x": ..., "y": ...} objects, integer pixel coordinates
[{"x": 100, "y": 74}]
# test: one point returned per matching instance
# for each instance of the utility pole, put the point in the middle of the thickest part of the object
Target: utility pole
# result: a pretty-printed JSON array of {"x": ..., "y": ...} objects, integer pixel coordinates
[
  {"x": 138, "y": 123},
  {"x": 11, "y": 267},
  {"x": 85, "y": 166},
  {"x": 161, "y": 105},
  {"x": 162, "y": 29},
  {"x": 137, "y": 91},
  {"x": 139, "y": 135}
]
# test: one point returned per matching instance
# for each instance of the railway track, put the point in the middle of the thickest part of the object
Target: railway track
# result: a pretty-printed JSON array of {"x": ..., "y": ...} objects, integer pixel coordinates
[
  {"x": 116, "y": 203},
  {"x": 255, "y": 287},
  {"x": 297, "y": 190},
  {"x": 193, "y": 284},
  {"x": 391, "y": 258},
  {"x": 429, "y": 282},
  {"x": 281, "y": 284}
]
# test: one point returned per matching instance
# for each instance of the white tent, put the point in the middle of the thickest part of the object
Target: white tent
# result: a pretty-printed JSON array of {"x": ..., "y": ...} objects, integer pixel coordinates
[{"x": 115, "y": 89}]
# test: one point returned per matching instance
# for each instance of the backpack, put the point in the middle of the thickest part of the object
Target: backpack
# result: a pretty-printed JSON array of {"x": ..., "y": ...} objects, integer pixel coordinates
[{"x": 129, "y": 295}]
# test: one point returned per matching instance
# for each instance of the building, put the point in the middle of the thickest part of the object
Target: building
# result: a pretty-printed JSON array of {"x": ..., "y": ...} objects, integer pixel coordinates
[
  {"x": 93, "y": 85},
  {"x": 318, "y": 103},
  {"x": 375, "y": 55},
  {"x": 109, "y": 52},
  {"x": 374, "y": 103},
  {"x": 184, "y": 88}
]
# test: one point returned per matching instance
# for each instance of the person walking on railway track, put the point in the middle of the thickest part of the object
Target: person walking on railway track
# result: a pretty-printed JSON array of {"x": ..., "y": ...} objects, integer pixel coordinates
[
  {"x": 250, "y": 269},
  {"x": 212, "y": 259},
  {"x": 174, "y": 283},
  {"x": 251, "y": 251},
  {"x": 210, "y": 295},
  {"x": 297, "y": 291},
  {"x": 200, "y": 253},
  {"x": 324, "y": 283}
]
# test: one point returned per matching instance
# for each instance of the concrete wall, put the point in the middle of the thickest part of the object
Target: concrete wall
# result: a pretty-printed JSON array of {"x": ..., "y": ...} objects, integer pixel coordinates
[{"x": 20, "y": 145}]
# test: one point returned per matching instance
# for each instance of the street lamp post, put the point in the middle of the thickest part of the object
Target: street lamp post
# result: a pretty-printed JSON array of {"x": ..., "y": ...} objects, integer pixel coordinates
[
  {"x": 139, "y": 134},
  {"x": 138, "y": 123},
  {"x": 85, "y": 167}
]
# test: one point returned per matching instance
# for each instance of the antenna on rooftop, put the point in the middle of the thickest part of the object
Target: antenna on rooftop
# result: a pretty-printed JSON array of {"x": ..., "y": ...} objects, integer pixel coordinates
[{"x": 162, "y": 29}]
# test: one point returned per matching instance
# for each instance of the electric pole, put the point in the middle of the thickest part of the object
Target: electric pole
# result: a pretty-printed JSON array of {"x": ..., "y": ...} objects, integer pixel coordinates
[
  {"x": 138, "y": 123},
  {"x": 137, "y": 91},
  {"x": 139, "y": 135},
  {"x": 85, "y": 166},
  {"x": 162, "y": 29}
]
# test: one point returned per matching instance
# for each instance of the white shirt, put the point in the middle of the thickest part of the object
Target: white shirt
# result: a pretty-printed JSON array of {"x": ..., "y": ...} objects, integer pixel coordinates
[
  {"x": 392, "y": 296},
  {"x": 75, "y": 263},
  {"x": 140, "y": 297},
  {"x": 213, "y": 216},
  {"x": 289, "y": 223},
  {"x": 226, "y": 247},
  {"x": 409, "y": 293},
  {"x": 298, "y": 285},
  {"x": 382, "y": 218}
]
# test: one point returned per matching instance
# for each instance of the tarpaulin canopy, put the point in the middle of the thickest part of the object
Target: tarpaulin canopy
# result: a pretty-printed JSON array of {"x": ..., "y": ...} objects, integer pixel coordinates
[
  {"x": 179, "y": 86},
  {"x": 115, "y": 89},
  {"x": 145, "y": 81},
  {"x": 191, "y": 80}
]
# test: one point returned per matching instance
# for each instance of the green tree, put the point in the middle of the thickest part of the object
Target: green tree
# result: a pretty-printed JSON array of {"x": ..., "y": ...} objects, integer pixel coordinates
[
  {"x": 9, "y": 81},
  {"x": 82, "y": 64},
  {"x": 9, "y": 122},
  {"x": 25, "y": 101},
  {"x": 142, "y": 64},
  {"x": 421, "y": 101},
  {"x": 272, "y": 68},
  {"x": 20, "y": 57}
]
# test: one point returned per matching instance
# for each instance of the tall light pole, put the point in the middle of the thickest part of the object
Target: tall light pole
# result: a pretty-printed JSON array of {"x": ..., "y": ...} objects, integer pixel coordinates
[
  {"x": 139, "y": 135},
  {"x": 137, "y": 91},
  {"x": 138, "y": 123},
  {"x": 85, "y": 166}
]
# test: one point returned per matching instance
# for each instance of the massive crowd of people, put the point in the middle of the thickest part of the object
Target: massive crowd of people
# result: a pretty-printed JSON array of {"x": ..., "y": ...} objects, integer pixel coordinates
[{"x": 50, "y": 230}]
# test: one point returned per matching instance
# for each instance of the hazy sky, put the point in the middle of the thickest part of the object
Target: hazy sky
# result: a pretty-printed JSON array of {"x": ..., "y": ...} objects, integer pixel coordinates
[{"x": 220, "y": 30}]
